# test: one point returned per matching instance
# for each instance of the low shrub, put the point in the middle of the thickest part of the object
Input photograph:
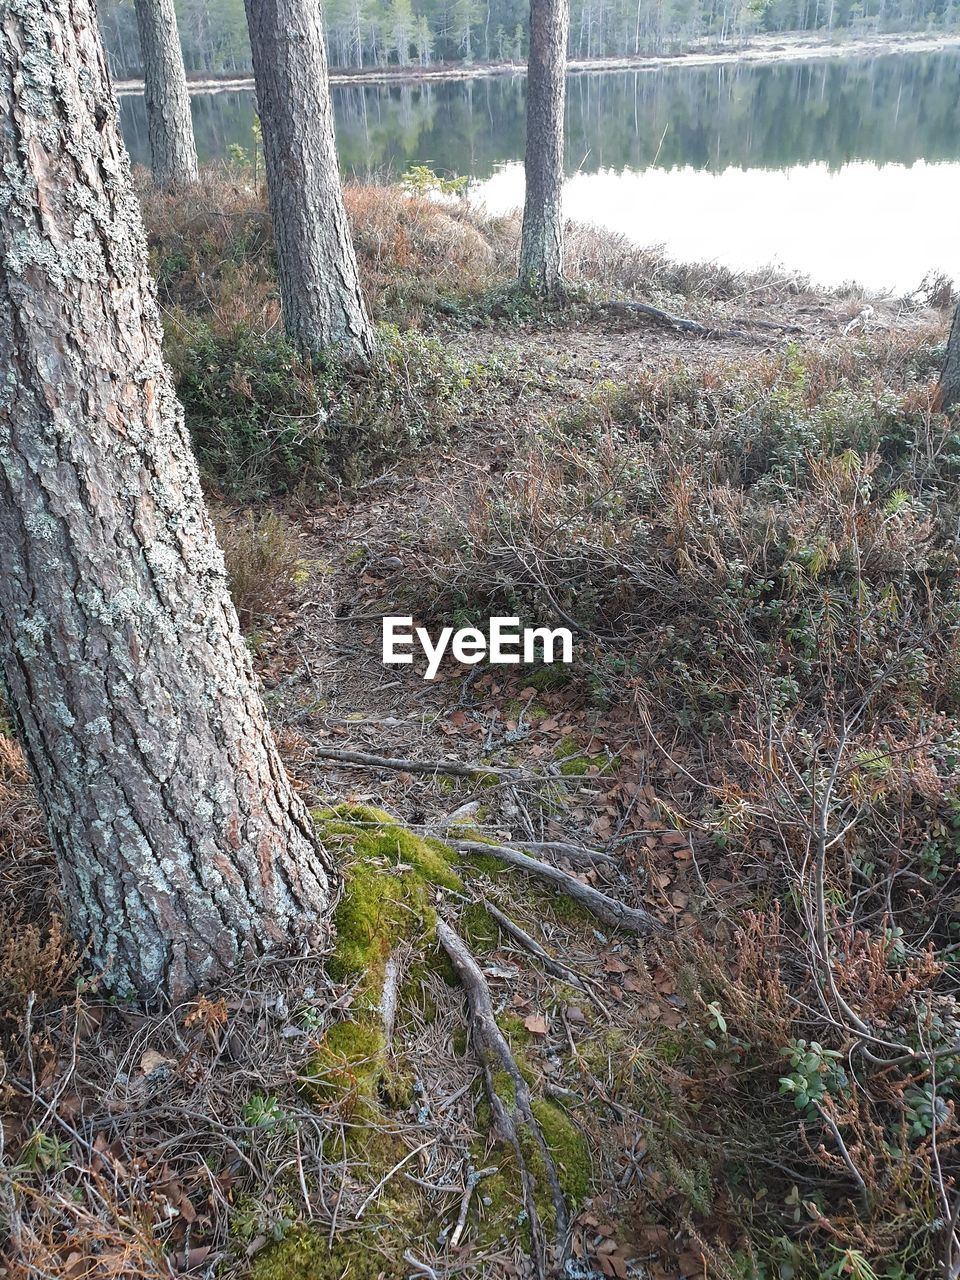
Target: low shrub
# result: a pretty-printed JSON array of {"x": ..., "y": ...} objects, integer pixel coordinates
[
  {"x": 762, "y": 562},
  {"x": 264, "y": 422},
  {"x": 262, "y": 557}
]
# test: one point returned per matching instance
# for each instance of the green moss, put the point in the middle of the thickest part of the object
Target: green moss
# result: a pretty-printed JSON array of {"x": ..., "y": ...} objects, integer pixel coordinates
[
  {"x": 388, "y": 886},
  {"x": 348, "y": 1063},
  {"x": 479, "y": 928},
  {"x": 568, "y": 1147},
  {"x": 396, "y": 1088},
  {"x": 576, "y": 763},
  {"x": 549, "y": 676},
  {"x": 389, "y": 881},
  {"x": 604, "y": 1048},
  {"x": 362, "y": 1255},
  {"x": 569, "y": 912},
  {"x": 496, "y": 1210}
]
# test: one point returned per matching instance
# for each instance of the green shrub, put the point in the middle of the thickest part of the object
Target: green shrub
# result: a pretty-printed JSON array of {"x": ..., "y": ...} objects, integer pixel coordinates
[{"x": 263, "y": 421}]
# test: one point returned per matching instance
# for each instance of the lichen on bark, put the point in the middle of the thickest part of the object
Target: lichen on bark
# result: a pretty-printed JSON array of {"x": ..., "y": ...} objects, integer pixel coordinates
[{"x": 180, "y": 842}]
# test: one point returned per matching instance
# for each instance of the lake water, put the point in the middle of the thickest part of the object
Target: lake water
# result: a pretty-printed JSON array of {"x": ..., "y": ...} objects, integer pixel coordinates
[{"x": 842, "y": 169}]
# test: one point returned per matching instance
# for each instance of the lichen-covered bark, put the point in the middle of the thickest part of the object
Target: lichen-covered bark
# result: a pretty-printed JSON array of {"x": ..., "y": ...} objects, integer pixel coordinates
[
  {"x": 949, "y": 392},
  {"x": 180, "y": 842},
  {"x": 173, "y": 151},
  {"x": 323, "y": 306},
  {"x": 541, "y": 241}
]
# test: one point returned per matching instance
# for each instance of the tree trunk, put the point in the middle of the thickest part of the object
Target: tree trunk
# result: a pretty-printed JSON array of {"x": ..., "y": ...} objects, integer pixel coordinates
[
  {"x": 323, "y": 304},
  {"x": 173, "y": 150},
  {"x": 949, "y": 392},
  {"x": 541, "y": 243},
  {"x": 180, "y": 843}
]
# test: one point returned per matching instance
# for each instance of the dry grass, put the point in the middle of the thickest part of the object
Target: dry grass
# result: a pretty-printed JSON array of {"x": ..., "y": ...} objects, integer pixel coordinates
[
  {"x": 419, "y": 257},
  {"x": 760, "y": 561},
  {"x": 263, "y": 559}
]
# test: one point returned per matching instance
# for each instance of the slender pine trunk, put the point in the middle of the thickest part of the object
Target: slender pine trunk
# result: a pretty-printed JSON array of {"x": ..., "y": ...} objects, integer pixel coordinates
[
  {"x": 323, "y": 304},
  {"x": 541, "y": 242},
  {"x": 173, "y": 150}
]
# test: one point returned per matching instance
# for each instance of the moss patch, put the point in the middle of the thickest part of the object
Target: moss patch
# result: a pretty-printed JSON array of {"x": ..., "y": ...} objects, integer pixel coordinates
[
  {"x": 575, "y": 763},
  {"x": 387, "y": 891},
  {"x": 389, "y": 881},
  {"x": 348, "y": 1064},
  {"x": 306, "y": 1255},
  {"x": 479, "y": 929},
  {"x": 569, "y": 1149}
]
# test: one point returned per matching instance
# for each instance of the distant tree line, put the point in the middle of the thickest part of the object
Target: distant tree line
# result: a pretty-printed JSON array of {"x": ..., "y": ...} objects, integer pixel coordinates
[{"x": 374, "y": 33}]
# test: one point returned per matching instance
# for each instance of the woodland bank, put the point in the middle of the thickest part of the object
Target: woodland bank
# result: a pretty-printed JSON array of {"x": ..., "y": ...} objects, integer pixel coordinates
[
  {"x": 757, "y": 50},
  {"x": 752, "y": 523}
]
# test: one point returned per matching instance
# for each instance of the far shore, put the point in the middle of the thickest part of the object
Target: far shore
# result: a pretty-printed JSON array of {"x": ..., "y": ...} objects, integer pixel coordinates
[{"x": 759, "y": 49}]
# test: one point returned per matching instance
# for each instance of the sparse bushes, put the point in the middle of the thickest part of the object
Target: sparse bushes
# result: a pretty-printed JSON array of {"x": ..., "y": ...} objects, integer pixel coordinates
[
  {"x": 264, "y": 422},
  {"x": 263, "y": 563},
  {"x": 421, "y": 259},
  {"x": 763, "y": 564}
]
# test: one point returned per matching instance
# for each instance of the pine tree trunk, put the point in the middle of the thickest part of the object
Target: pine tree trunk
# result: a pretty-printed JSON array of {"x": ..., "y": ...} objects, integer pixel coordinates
[
  {"x": 173, "y": 150},
  {"x": 180, "y": 843},
  {"x": 323, "y": 306},
  {"x": 541, "y": 243},
  {"x": 949, "y": 393}
]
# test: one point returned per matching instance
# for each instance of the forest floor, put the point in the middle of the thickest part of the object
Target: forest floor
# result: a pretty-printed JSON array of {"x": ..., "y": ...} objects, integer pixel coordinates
[
  {"x": 753, "y": 536},
  {"x": 783, "y": 47}
]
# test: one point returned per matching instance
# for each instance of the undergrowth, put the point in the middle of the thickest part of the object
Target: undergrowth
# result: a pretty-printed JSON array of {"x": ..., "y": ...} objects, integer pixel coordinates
[
  {"x": 265, "y": 422},
  {"x": 762, "y": 564}
]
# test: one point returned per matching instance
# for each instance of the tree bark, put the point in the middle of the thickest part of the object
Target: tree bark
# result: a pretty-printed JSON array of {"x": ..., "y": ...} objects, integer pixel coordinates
[
  {"x": 181, "y": 844},
  {"x": 541, "y": 242},
  {"x": 948, "y": 394},
  {"x": 173, "y": 151},
  {"x": 323, "y": 305}
]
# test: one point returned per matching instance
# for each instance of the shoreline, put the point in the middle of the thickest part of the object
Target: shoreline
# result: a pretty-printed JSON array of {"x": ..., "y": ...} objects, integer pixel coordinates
[{"x": 760, "y": 50}]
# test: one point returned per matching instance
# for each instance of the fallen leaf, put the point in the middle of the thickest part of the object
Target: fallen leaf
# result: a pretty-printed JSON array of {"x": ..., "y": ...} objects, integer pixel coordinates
[
  {"x": 152, "y": 1061},
  {"x": 536, "y": 1024}
]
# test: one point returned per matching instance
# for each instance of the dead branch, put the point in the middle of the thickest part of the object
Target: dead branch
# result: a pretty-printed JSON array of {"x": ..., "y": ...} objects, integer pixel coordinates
[
  {"x": 496, "y": 1056},
  {"x": 473, "y": 1177},
  {"x": 388, "y": 1001},
  {"x": 668, "y": 320},
  {"x": 610, "y": 910},
  {"x": 455, "y": 767},
  {"x": 526, "y": 940}
]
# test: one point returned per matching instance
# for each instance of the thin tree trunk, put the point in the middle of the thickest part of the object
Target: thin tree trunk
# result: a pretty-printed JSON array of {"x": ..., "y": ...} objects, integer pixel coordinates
[
  {"x": 541, "y": 243},
  {"x": 949, "y": 392},
  {"x": 323, "y": 305},
  {"x": 180, "y": 842},
  {"x": 173, "y": 150}
]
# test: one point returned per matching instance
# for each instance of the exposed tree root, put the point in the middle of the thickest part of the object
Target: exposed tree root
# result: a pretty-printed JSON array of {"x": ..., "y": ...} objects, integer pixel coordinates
[
  {"x": 668, "y": 320},
  {"x": 681, "y": 323},
  {"x": 455, "y": 767},
  {"x": 776, "y": 325},
  {"x": 526, "y": 940},
  {"x": 608, "y": 909},
  {"x": 575, "y": 852},
  {"x": 496, "y": 1059}
]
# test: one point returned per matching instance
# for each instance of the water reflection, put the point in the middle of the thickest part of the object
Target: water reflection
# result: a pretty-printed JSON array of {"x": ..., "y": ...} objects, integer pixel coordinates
[
  {"x": 856, "y": 223},
  {"x": 809, "y": 126}
]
